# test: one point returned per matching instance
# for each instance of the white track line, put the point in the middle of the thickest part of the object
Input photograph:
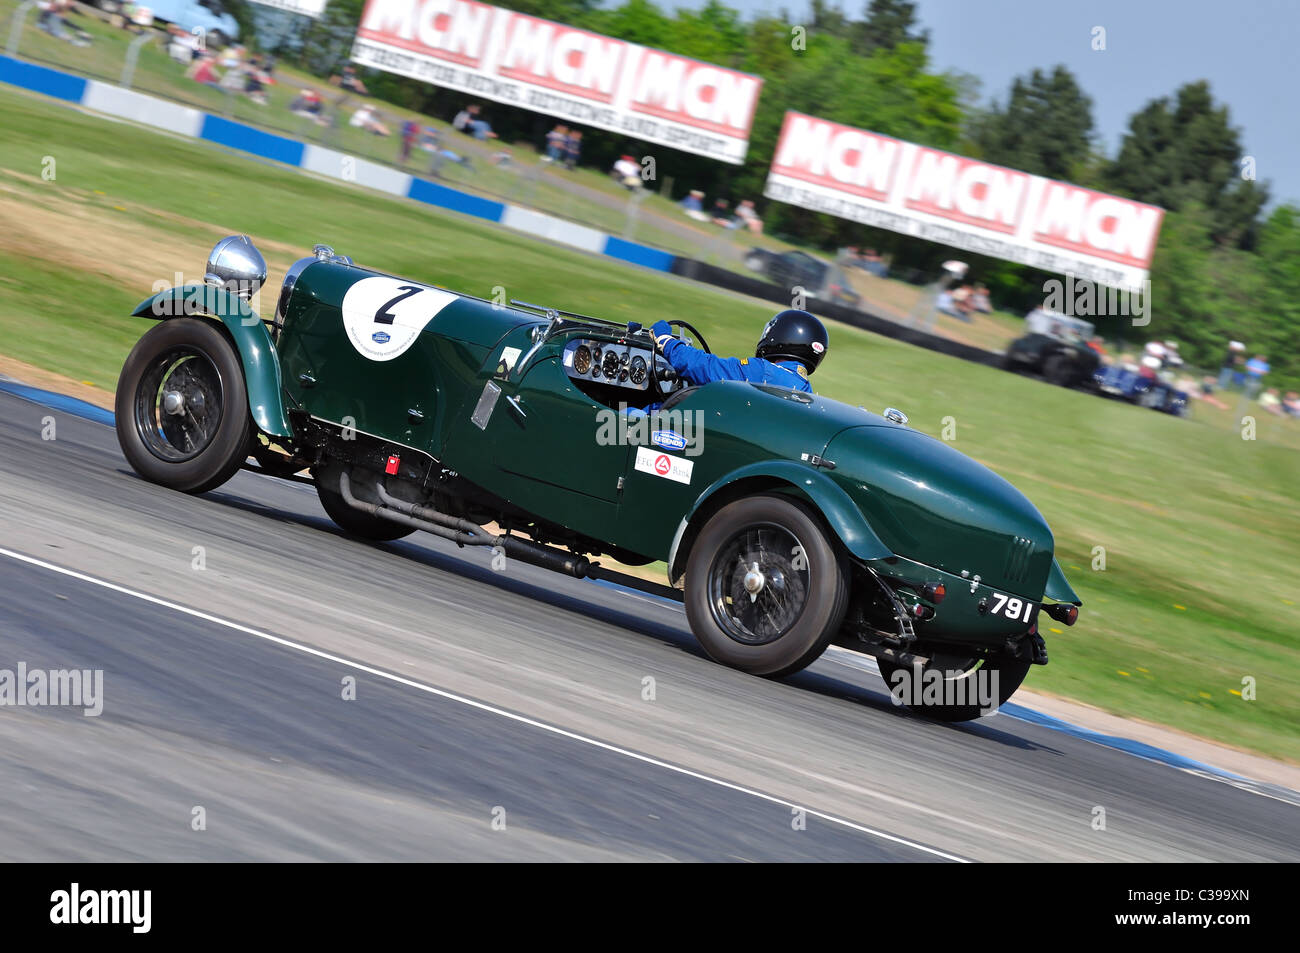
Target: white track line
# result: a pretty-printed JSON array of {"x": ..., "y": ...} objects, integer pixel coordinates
[{"x": 481, "y": 706}]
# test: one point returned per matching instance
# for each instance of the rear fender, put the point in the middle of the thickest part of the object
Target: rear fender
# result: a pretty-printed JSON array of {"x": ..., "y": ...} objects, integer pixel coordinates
[
  {"x": 251, "y": 337},
  {"x": 835, "y": 506}
]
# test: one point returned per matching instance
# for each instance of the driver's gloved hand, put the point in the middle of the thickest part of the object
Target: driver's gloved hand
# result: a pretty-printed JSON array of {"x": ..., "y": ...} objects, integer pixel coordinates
[{"x": 663, "y": 333}]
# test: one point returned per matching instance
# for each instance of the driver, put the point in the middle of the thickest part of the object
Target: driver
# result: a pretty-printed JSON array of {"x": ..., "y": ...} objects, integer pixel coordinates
[{"x": 792, "y": 345}]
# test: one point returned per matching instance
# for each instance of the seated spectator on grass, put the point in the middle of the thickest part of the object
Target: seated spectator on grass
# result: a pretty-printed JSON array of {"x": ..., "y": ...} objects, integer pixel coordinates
[
  {"x": 350, "y": 81},
  {"x": 470, "y": 121},
  {"x": 627, "y": 172},
  {"x": 748, "y": 217},
  {"x": 722, "y": 214},
  {"x": 1207, "y": 393},
  {"x": 556, "y": 141},
  {"x": 309, "y": 105},
  {"x": 572, "y": 149},
  {"x": 431, "y": 142},
  {"x": 204, "y": 71},
  {"x": 1292, "y": 404},
  {"x": 693, "y": 205},
  {"x": 945, "y": 304},
  {"x": 1271, "y": 401},
  {"x": 979, "y": 300},
  {"x": 367, "y": 118},
  {"x": 54, "y": 21},
  {"x": 256, "y": 79}
]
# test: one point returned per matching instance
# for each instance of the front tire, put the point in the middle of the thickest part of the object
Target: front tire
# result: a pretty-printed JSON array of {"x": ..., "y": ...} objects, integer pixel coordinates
[
  {"x": 766, "y": 589},
  {"x": 954, "y": 667},
  {"x": 182, "y": 406}
]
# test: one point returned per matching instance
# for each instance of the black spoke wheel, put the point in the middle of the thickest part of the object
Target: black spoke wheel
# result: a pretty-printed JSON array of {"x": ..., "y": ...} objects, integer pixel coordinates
[
  {"x": 766, "y": 589},
  {"x": 182, "y": 407},
  {"x": 963, "y": 676}
]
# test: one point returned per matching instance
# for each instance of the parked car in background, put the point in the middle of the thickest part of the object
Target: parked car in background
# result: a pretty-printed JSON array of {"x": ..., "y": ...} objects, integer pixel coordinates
[
  {"x": 218, "y": 26},
  {"x": 1056, "y": 346},
  {"x": 819, "y": 279}
]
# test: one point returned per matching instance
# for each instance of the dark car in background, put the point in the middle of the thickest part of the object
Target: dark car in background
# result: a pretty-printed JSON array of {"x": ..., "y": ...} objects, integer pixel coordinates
[
  {"x": 1055, "y": 347},
  {"x": 819, "y": 279}
]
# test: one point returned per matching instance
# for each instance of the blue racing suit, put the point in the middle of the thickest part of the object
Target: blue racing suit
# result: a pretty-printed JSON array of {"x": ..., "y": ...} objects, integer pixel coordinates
[{"x": 697, "y": 367}]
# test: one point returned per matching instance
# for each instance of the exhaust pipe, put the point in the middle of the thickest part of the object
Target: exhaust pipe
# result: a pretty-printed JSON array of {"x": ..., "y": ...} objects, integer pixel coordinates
[{"x": 462, "y": 532}]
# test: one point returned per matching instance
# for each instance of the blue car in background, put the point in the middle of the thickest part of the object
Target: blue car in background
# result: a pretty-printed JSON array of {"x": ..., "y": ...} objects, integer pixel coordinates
[
  {"x": 1130, "y": 385},
  {"x": 218, "y": 25}
]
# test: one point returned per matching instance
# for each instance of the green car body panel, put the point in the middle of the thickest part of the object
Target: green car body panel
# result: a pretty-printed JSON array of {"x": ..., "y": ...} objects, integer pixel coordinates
[
  {"x": 253, "y": 340},
  {"x": 904, "y": 505}
]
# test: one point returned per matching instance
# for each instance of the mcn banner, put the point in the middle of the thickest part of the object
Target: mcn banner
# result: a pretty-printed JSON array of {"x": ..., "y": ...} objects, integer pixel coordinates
[
  {"x": 577, "y": 76},
  {"x": 983, "y": 208},
  {"x": 310, "y": 8}
]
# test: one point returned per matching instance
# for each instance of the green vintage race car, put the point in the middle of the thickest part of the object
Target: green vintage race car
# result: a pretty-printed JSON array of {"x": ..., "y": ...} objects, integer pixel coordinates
[{"x": 787, "y": 521}]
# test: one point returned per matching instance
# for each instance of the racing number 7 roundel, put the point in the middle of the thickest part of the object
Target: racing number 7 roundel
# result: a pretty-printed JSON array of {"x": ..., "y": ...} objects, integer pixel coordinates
[{"x": 384, "y": 316}]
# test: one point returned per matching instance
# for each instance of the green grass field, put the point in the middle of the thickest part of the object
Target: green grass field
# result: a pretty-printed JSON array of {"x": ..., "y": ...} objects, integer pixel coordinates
[{"x": 1199, "y": 527}]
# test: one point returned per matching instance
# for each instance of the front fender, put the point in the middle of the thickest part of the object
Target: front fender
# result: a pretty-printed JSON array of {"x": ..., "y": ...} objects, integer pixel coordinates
[
  {"x": 252, "y": 340},
  {"x": 836, "y": 507}
]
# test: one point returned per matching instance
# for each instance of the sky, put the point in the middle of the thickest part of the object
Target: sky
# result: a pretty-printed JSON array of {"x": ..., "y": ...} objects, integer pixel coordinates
[{"x": 1246, "y": 49}]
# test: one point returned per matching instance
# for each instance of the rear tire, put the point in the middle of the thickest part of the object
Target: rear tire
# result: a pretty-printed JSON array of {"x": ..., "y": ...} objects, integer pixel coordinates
[
  {"x": 182, "y": 406},
  {"x": 1057, "y": 370},
  {"x": 801, "y": 580},
  {"x": 356, "y": 523},
  {"x": 1010, "y": 672}
]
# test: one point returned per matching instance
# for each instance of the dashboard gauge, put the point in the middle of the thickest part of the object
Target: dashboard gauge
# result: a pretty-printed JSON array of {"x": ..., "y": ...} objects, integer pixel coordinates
[
  {"x": 595, "y": 361},
  {"x": 637, "y": 371},
  {"x": 611, "y": 364},
  {"x": 582, "y": 359}
]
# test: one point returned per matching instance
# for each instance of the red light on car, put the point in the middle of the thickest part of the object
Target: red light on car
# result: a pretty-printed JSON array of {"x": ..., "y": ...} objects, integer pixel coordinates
[{"x": 934, "y": 592}]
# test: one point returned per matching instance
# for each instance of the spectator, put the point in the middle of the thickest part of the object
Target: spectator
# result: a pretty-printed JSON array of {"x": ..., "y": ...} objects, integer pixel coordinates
[
  {"x": 502, "y": 158},
  {"x": 1207, "y": 393},
  {"x": 256, "y": 79},
  {"x": 350, "y": 81},
  {"x": 722, "y": 214},
  {"x": 1271, "y": 401},
  {"x": 202, "y": 70},
  {"x": 627, "y": 173},
  {"x": 1292, "y": 404},
  {"x": 309, "y": 105},
  {"x": 431, "y": 141},
  {"x": 368, "y": 119},
  {"x": 693, "y": 205},
  {"x": 572, "y": 148},
  {"x": 1233, "y": 365},
  {"x": 1256, "y": 369},
  {"x": 748, "y": 217},
  {"x": 556, "y": 141},
  {"x": 410, "y": 131},
  {"x": 961, "y": 302},
  {"x": 873, "y": 264},
  {"x": 945, "y": 304},
  {"x": 470, "y": 122},
  {"x": 979, "y": 299}
]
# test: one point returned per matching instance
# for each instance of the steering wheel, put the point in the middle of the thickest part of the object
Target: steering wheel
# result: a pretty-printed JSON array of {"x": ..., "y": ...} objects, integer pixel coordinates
[{"x": 663, "y": 371}]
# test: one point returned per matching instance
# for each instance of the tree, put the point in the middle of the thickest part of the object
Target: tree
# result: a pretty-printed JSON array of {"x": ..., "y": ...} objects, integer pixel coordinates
[
  {"x": 1187, "y": 152},
  {"x": 887, "y": 24},
  {"x": 1045, "y": 128}
]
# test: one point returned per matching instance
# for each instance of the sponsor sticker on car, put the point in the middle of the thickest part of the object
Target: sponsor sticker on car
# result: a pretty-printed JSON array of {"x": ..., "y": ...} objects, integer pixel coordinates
[
  {"x": 668, "y": 439},
  {"x": 664, "y": 465}
]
